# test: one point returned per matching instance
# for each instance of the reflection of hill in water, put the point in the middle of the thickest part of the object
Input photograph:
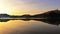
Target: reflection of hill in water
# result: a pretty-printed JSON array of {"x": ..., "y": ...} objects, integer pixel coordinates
[
  {"x": 51, "y": 17},
  {"x": 49, "y": 21},
  {"x": 4, "y": 20}
]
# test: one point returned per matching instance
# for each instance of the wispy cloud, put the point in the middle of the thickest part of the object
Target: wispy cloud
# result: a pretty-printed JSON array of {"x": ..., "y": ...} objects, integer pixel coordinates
[{"x": 28, "y": 5}]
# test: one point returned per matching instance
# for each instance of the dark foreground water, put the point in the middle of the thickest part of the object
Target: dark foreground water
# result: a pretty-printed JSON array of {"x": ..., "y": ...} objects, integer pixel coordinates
[{"x": 28, "y": 27}]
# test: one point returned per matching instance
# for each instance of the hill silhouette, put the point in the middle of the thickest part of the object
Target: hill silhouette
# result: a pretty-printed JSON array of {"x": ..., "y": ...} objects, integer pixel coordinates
[
  {"x": 52, "y": 17},
  {"x": 49, "y": 15}
]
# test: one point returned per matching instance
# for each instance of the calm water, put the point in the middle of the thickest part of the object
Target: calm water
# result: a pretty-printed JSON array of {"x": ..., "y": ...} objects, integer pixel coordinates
[{"x": 28, "y": 27}]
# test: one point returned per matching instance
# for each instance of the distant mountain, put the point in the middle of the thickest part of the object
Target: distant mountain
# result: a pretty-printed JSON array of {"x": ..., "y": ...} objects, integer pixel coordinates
[
  {"x": 4, "y": 15},
  {"x": 49, "y": 14},
  {"x": 13, "y": 16}
]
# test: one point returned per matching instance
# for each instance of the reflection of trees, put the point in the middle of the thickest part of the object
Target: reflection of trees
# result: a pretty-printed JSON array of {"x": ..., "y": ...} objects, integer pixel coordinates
[
  {"x": 50, "y": 21},
  {"x": 4, "y": 20}
]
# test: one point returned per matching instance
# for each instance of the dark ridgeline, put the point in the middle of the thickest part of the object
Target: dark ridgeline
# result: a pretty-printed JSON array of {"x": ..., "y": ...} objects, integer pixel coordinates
[
  {"x": 27, "y": 16},
  {"x": 51, "y": 17},
  {"x": 14, "y": 16},
  {"x": 4, "y": 15}
]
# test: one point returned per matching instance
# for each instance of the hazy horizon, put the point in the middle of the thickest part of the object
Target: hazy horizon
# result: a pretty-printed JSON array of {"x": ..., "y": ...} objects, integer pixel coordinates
[
  {"x": 19, "y": 7},
  {"x": 32, "y": 7}
]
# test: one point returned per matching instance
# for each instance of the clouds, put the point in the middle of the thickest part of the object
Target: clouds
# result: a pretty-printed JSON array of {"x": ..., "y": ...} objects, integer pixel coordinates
[
  {"x": 31, "y": 5},
  {"x": 43, "y": 4},
  {"x": 34, "y": 4}
]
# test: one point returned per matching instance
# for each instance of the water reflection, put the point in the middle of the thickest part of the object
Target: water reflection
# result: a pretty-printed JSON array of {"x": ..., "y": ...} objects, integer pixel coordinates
[
  {"x": 49, "y": 21},
  {"x": 28, "y": 27},
  {"x": 4, "y": 20}
]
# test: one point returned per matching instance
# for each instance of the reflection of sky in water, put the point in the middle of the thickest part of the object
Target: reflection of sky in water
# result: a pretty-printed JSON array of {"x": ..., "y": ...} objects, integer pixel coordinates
[{"x": 28, "y": 27}]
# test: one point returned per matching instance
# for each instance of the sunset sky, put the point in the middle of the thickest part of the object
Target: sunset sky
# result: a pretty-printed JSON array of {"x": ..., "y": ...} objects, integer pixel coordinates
[{"x": 19, "y": 7}]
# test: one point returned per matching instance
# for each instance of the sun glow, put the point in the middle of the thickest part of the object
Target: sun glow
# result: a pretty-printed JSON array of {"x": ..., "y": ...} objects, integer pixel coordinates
[
  {"x": 5, "y": 7},
  {"x": 16, "y": 7}
]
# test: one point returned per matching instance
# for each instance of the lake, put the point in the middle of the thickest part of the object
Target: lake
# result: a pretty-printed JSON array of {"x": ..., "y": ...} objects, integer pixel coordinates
[{"x": 28, "y": 27}]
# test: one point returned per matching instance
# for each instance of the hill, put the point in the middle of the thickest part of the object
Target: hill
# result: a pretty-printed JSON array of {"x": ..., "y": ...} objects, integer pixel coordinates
[{"x": 50, "y": 14}]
